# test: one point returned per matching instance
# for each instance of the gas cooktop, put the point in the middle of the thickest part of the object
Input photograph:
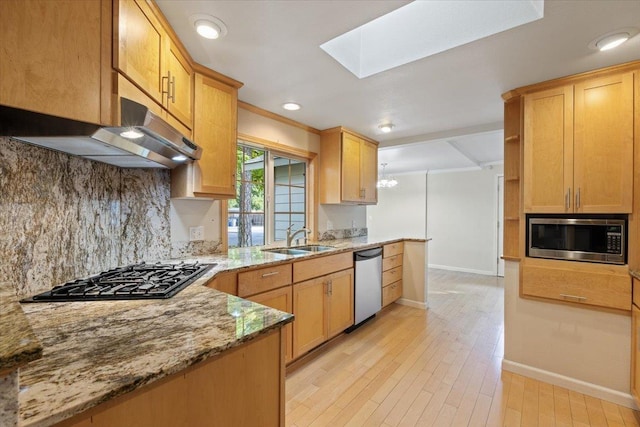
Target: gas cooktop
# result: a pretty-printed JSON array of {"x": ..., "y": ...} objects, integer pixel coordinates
[{"x": 136, "y": 281}]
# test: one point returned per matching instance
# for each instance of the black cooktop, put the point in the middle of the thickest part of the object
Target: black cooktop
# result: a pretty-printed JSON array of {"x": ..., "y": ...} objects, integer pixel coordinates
[{"x": 136, "y": 281}]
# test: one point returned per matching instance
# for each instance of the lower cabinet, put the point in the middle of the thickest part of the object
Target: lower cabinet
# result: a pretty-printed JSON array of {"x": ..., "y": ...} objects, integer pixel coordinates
[
  {"x": 323, "y": 308},
  {"x": 216, "y": 392},
  {"x": 392, "y": 256},
  {"x": 280, "y": 299},
  {"x": 635, "y": 342}
]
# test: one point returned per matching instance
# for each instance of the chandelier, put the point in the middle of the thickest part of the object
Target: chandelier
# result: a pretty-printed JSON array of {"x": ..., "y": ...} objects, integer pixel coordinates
[{"x": 384, "y": 181}]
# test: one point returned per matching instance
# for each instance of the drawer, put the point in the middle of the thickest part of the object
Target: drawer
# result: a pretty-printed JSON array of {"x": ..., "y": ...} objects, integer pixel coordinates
[
  {"x": 636, "y": 292},
  {"x": 391, "y": 262},
  {"x": 391, "y": 293},
  {"x": 225, "y": 282},
  {"x": 591, "y": 284},
  {"x": 263, "y": 279},
  {"x": 391, "y": 276},
  {"x": 392, "y": 249},
  {"x": 315, "y": 267}
]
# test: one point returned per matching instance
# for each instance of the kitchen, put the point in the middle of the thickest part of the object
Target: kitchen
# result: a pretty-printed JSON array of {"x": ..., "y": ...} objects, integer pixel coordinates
[{"x": 114, "y": 207}]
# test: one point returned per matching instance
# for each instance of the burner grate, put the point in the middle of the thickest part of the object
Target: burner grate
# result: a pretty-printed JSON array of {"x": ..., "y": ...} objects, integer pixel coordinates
[{"x": 136, "y": 281}]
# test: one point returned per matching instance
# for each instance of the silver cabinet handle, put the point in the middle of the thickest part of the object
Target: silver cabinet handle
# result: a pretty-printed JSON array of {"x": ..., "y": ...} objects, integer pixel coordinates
[
  {"x": 573, "y": 297},
  {"x": 578, "y": 198},
  {"x": 173, "y": 89},
  {"x": 567, "y": 199},
  {"x": 273, "y": 273}
]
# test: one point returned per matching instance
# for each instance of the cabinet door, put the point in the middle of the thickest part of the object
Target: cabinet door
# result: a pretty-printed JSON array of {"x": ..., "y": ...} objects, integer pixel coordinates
[
  {"x": 548, "y": 146},
  {"x": 369, "y": 171},
  {"x": 603, "y": 141},
  {"x": 280, "y": 299},
  {"x": 340, "y": 306},
  {"x": 140, "y": 47},
  {"x": 179, "y": 99},
  {"x": 51, "y": 57},
  {"x": 215, "y": 128},
  {"x": 635, "y": 352},
  {"x": 350, "y": 168},
  {"x": 309, "y": 326}
]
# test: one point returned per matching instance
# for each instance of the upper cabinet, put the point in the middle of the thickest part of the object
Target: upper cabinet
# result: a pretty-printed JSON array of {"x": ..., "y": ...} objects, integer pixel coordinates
[
  {"x": 215, "y": 130},
  {"x": 578, "y": 147},
  {"x": 56, "y": 58},
  {"x": 348, "y": 168},
  {"x": 152, "y": 60}
]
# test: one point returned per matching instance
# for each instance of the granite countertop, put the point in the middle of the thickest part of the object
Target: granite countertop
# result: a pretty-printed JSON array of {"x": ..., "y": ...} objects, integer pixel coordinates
[
  {"x": 18, "y": 344},
  {"x": 95, "y": 351}
]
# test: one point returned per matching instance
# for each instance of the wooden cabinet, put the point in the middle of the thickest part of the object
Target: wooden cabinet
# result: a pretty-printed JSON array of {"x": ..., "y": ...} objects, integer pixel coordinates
[
  {"x": 216, "y": 392},
  {"x": 512, "y": 177},
  {"x": 392, "y": 257},
  {"x": 635, "y": 342},
  {"x": 215, "y": 130},
  {"x": 56, "y": 58},
  {"x": 280, "y": 299},
  {"x": 226, "y": 282},
  {"x": 148, "y": 56},
  {"x": 323, "y": 308},
  {"x": 348, "y": 168},
  {"x": 578, "y": 147},
  {"x": 263, "y": 279},
  {"x": 600, "y": 285}
]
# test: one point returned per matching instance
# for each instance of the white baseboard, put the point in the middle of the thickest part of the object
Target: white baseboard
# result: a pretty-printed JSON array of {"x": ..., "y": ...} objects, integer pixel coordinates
[
  {"x": 412, "y": 303},
  {"x": 615, "y": 396},
  {"x": 462, "y": 270}
]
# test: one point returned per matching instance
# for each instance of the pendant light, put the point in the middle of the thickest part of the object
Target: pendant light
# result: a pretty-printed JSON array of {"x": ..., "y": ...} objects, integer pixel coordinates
[{"x": 384, "y": 181}]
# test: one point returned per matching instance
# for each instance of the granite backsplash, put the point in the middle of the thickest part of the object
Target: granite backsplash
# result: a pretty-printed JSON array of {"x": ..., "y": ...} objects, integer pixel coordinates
[{"x": 64, "y": 217}]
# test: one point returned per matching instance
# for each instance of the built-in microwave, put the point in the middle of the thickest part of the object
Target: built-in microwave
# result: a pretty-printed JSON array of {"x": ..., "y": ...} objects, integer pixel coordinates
[{"x": 592, "y": 239}]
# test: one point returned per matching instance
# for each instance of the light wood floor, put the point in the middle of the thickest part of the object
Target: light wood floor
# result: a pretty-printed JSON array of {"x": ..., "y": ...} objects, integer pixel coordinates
[{"x": 439, "y": 367}]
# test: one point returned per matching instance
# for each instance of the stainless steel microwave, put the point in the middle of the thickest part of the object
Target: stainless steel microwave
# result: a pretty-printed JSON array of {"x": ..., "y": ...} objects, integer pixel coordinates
[{"x": 577, "y": 239}]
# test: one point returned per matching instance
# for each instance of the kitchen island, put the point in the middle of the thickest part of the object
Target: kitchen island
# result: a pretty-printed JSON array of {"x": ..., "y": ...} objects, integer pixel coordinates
[{"x": 96, "y": 353}]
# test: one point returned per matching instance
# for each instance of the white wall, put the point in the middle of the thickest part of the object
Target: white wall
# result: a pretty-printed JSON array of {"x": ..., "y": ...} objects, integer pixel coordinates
[
  {"x": 462, "y": 216},
  {"x": 583, "y": 349},
  {"x": 401, "y": 211}
]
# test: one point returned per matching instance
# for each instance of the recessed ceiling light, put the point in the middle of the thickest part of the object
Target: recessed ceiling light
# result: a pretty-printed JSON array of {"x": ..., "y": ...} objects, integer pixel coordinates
[
  {"x": 291, "y": 106},
  {"x": 208, "y": 26},
  {"x": 613, "y": 39},
  {"x": 386, "y": 128}
]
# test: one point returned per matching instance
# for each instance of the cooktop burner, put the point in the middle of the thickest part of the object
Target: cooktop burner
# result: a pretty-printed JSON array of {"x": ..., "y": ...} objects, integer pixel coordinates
[{"x": 137, "y": 281}]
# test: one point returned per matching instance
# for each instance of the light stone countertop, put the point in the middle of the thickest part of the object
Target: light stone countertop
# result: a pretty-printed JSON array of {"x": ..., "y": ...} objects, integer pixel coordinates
[{"x": 95, "y": 351}]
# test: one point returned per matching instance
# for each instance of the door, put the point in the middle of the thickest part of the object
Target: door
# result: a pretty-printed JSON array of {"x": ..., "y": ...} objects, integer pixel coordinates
[
  {"x": 309, "y": 326},
  {"x": 635, "y": 351},
  {"x": 603, "y": 141},
  {"x": 340, "y": 306},
  {"x": 280, "y": 299},
  {"x": 548, "y": 151},
  {"x": 178, "y": 99},
  {"x": 500, "y": 225},
  {"x": 350, "y": 168},
  {"x": 369, "y": 171}
]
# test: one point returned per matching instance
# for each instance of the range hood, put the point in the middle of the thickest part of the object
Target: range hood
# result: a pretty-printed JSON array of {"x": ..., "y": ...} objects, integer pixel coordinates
[{"x": 144, "y": 140}]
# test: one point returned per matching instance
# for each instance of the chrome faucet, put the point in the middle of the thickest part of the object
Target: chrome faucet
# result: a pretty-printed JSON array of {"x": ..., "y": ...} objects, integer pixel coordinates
[{"x": 290, "y": 235}]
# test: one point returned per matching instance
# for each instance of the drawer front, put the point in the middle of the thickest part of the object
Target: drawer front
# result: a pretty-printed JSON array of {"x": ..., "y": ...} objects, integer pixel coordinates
[
  {"x": 392, "y": 249},
  {"x": 305, "y": 270},
  {"x": 391, "y": 276},
  {"x": 636, "y": 292},
  {"x": 391, "y": 293},
  {"x": 602, "y": 289},
  {"x": 225, "y": 282},
  {"x": 391, "y": 262},
  {"x": 263, "y": 279}
]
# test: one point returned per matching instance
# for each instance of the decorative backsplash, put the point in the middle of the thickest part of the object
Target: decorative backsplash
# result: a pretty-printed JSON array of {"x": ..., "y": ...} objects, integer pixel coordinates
[
  {"x": 345, "y": 233},
  {"x": 63, "y": 217}
]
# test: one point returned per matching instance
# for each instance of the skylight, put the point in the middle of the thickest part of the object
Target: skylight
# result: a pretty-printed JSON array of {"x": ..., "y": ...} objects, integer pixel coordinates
[{"x": 424, "y": 28}]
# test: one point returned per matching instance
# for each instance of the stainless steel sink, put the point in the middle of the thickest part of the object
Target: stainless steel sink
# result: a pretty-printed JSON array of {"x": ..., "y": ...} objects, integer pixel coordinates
[
  {"x": 299, "y": 250},
  {"x": 314, "y": 248}
]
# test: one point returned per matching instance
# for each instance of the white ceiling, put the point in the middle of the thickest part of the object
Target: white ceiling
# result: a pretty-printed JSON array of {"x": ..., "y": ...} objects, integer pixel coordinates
[{"x": 441, "y": 106}]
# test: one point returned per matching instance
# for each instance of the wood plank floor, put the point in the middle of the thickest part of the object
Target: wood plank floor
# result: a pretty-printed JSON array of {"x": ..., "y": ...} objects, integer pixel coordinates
[{"x": 439, "y": 367}]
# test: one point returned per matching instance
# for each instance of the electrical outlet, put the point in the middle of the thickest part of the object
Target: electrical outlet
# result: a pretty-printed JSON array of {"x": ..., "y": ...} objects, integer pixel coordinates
[
  {"x": 329, "y": 225},
  {"x": 353, "y": 223},
  {"x": 196, "y": 233}
]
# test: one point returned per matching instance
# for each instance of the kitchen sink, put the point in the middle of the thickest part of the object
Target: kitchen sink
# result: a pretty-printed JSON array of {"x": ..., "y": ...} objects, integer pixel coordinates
[
  {"x": 299, "y": 250},
  {"x": 314, "y": 248}
]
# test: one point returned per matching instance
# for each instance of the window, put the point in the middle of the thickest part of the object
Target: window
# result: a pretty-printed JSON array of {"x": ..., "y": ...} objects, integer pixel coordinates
[{"x": 270, "y": 197}]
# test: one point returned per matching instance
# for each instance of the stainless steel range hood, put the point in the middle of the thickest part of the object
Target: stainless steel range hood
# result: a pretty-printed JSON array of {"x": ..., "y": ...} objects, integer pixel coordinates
[{"x": 143, "y": 141}]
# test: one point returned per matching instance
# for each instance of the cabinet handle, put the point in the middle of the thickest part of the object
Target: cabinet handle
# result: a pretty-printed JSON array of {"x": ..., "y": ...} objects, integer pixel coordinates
[
  {"x": 173, "y": 90},
  {"x": 573, "y": 297},
  {"x": 330, "y": 287},
  {"x": 567, "y": 199},
  {"x": 363, "y": 192},
  {"x": 578, "y": 198},
  {"x": 273, "y": 273}
]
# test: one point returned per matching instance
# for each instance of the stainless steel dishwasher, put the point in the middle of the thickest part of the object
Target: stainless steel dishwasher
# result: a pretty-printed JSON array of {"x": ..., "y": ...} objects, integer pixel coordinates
[{"x": 368, "y": 286}]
